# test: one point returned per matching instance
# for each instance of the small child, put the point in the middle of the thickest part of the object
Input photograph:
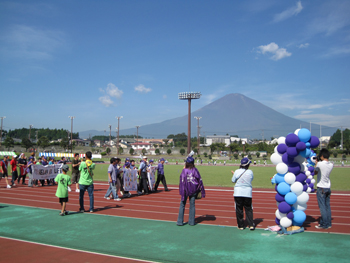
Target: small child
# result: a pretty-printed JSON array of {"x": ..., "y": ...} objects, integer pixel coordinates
[{"x": 63, "y": 180}]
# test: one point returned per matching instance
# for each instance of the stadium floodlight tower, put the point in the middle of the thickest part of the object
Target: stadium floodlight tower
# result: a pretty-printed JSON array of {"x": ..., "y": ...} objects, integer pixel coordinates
[{"x": 189, "y": 96}]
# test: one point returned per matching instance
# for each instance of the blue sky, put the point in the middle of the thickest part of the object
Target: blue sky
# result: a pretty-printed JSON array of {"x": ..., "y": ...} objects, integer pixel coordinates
[{"x": 96, "y": 60}]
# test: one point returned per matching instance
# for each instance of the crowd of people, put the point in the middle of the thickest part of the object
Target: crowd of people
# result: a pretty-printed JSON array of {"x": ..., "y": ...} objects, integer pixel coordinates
[{"x": 190, "y": 186}]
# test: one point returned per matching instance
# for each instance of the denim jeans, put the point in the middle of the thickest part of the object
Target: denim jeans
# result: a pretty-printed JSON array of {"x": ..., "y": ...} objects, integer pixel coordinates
[
  {"x": 191, "y": 217},
  {"x": 323, "y": 199},
  {"x": 90, "y": 189},
  {"x": 112, "y": 189},
  {"x": 30, "y": 182}
]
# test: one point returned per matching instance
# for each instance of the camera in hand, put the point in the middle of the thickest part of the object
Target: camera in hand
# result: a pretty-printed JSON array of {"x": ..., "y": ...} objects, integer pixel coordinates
[{"x": 318, "y": 159}]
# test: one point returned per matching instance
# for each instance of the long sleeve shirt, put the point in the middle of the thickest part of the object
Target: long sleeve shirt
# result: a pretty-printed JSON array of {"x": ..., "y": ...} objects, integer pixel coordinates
[{"x": 190, "y": 183}]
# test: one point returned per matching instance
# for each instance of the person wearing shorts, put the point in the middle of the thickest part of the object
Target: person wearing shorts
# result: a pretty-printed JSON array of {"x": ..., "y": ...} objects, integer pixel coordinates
[
  {"x": 75, "y": 171},
  {"x": 63, "y": 180},
  {"x": 3, "y": 170}
]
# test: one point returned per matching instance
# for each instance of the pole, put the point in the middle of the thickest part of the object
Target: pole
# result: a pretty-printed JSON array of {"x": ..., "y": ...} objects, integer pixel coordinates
[
  {"x": 118, "y": 134},
  {"x": 30, "y": 129},
  {"x": 2, "y": 118},
  {"x": 110, "y": 130},
  {"x": 137, "y": 134},
  {"x": 341, "y": 142},
  {"x": 71, "y": 132},
  {"x": 198, "y": 128},
  {"x": 320, "y": 135},
  {"x": 189, "y": 127}
]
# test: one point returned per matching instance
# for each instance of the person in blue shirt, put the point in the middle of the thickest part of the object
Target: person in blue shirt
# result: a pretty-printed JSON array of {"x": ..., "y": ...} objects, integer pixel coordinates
[
  {"x": 143, "y": 176},
  {"x": 243, "y": 178}
]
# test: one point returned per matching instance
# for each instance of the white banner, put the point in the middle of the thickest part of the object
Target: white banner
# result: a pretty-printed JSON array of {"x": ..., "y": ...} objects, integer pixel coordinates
[
  {"x": 151, "y": 174},
  {"x": 130, "y": 180},
  {"x": 41, "y": 172}
]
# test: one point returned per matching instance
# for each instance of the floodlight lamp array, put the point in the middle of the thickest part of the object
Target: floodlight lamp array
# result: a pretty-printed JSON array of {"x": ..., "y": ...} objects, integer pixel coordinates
[{"x": 189, "y": 95}]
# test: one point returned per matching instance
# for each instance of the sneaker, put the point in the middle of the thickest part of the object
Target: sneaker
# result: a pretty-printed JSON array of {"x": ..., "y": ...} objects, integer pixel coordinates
[
  {"x": 66, "y": 212},
  {"x": 139, "y": 193},
  {"x": 117, "y": 199},
  {"x": 329, "y": 227},
  {"x": 121, "y": 192},
  {"x": 129, "y": 195},
  {"x": 252, "y": 228},
  {"x": 81, "y": 211},
  {"x": 240, "y": 228},
  {"x": 61, "y": 214},
  {"x": 8, "y": 186},
  {"x": 320, "y": 227},
  {"x": 14, "y": 185},
  {"x": 69, "y": 190},
  {"x": 108, "y": 198},
  {"x": 91, "y": 211},
  {"x": 77, "y": 190}
]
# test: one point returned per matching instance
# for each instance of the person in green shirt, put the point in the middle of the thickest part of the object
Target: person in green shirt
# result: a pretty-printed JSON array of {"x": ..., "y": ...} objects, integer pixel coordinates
[
  {"x": 86, "y": 182},
  {"x": 63, "y": 180}
]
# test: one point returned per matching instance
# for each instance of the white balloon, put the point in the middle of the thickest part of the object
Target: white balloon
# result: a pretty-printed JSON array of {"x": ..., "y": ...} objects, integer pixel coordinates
[
  {"x": 279, "y": 215},
  {"x": 308, "y": 190},
  {"x": 281, "y": 140},
  {"x": 308, "y": 173},
  {"x": 313, "y": 181},
  {"x": 296, "y": 132},
  {"x": 285, "y": 222},
  {"x": 289, "y": 178},
  {"x": 276, "y": 158},
  {"x": 297, "y": 188},
  {"x": 303, "y": 198},
  {"x": 275, "y": 149},
  {"x": 310, "y": 177},
  {"x": 281, "y": 168},
  {"x": 299, "y": 159},
  {"x": 300, "y": 207},
  {"x": 302, "y": 168}
]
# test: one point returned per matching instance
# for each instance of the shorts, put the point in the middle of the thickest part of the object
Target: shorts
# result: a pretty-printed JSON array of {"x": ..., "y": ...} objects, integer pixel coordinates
[
  {"x": 65, "y": 199},
  {"x": 75, "y": 178},
  {"x": 4, "y": 175}
]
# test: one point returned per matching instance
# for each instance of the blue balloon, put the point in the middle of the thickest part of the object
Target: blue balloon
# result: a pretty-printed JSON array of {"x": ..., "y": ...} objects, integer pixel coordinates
[
  {"x": 279, "y": 178},
  {"x": 284, "y": 208},
  {"x": 290, "y": 215},
  {"x": 306, "y": 153},
  {"x": 304, "y": 135},
  {"x": 307, "y": 145},
  {"x": 314, "y": 142},
  {"x": 299, "y": 217},
  {"x": 283, "y": 188},
  {"x": 301, "y": 146},
  {"x": 296, "y": 224},
  {"x": 290, "y": 198},
  {"x": 279, "y": 198}
]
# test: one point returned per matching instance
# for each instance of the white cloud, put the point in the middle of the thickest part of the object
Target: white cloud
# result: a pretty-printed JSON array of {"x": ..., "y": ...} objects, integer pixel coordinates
[
  {"x": 293, "y": 11},
  {"x": 27, "y": 42},
  {"x": 305, "y": 112},
  {"x": 326, "y": 119},
  {"x": 336, "y": 51},
  {"x": 113, "y": 91},
  {"x": 304, "y": 45},
  {"x": 142, "y": 89},
  {"x": 106, "y": 100},
  {"x": 110, "y": 91},
  {"x": 273, "y": 48}
]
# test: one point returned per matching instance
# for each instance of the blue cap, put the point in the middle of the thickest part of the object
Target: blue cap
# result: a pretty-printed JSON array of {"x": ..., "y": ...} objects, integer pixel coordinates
[
  {"x": 162, "y": 159},
  {"x": 127, "y": 163},
  {"x": 245, "y": 161},
  {"x": 127, "y": 159},
  {"x": 151, "y": 161},
  {"x": 189, "y": 160},
  {"x": 31, "y": 157}
]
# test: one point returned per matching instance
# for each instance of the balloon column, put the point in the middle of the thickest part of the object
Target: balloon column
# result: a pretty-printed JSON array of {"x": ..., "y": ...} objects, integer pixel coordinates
[{"x": 294, "y": 178}]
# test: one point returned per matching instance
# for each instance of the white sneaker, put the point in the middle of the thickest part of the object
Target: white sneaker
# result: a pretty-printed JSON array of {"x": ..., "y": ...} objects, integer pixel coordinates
[
  {"x": 77, "y": 190},
  {"x": 121, "y": 192},
  {"x": 108, "y": 198},
  {"x": 129, "y": 195},
  {"x": 8, "y": 186},
  {"x": 14, "y": 185},
  {"x": 117, "y": 199},
  {"x": 69, "y": 190}
]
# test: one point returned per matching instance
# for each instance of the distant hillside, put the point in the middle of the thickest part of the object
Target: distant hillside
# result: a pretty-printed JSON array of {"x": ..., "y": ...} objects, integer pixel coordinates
[{"x": 233, "y": 114}]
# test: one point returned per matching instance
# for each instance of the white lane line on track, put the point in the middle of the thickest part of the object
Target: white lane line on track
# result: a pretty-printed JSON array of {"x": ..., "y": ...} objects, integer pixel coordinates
[{"x": 77, "y": 250}]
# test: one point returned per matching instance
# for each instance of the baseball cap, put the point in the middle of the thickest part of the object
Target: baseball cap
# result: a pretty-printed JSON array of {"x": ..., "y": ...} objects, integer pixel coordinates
[
  {"x": 144, "y": 157},
  {"x": 151, "y": 161},
  {"x": 189, "y": 160},
  {"x": 31, "y": 157},
  {"x": 245, "y": 161},
  {"x": 15, "y": 156},
  {"x": 162, "y": 159},
  {"x": 127, "y": 159},
  {"x": 65, "y": 168},
  {"x": 127, "y": 163}
]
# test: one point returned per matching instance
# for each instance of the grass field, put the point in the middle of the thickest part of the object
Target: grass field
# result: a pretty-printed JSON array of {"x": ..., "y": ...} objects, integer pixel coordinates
[{"x": 221, "y": 175}]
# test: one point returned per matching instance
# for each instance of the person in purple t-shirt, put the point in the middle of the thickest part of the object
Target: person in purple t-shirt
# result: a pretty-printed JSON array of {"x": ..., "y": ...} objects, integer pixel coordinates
[
  {"x": 190, "y": 185},
  {"x": 160, "y": 176}
]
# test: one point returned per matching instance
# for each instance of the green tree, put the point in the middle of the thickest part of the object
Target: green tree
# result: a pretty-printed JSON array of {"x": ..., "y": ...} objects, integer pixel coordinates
[
  {"x": 157, "y": 151},
  {"x": 120, "y": 150},
  {"x": 242, "y": 155},
  {"x": 144, "y": 151},
  {"x": 64, "y": 143},
  {"x": 43, "y": 142},
  {"x": 9, "y": 142},
  {"x": 335, "y": 154},
  {"x": 168, "y": 151},
  {"x": 212, "y": 147},
  {"x": 108, "y": 150},
  {"x": 166, "y": 141},
  {"x": 131, "y": 151},
  {"x": 205, "y": 155},
  {"x": 344, "y": 157},
  {"x": 235, "y": 155},
  {"x": 257, "y": 154},
  {"x": 26, "y": 143},
  {"x": 182, "y": 151}
]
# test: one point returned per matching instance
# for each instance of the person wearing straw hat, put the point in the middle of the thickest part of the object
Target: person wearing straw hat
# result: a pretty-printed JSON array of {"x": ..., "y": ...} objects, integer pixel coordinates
[{"x": 243, "y": 178}]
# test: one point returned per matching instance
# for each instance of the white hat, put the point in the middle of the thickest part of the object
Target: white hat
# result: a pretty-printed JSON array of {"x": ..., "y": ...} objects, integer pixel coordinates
[
  {"x": 144, "y": 157},
  {"x": 15, "y": 156}
]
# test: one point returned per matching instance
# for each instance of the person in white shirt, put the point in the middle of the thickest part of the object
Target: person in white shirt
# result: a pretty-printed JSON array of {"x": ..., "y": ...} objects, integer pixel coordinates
[{"x": 323, "y": 169}]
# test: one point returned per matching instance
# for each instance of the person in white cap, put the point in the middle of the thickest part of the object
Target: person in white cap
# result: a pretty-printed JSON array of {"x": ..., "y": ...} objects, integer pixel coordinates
[{"x": 243, "y": 178}]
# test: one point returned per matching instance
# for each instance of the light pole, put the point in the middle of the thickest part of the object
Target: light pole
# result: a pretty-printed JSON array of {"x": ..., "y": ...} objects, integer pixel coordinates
[
  {"x": 30, "y": 129},
  {"x": 110, "y": 130},
  {"x": 137, "y": 133},
  {"x": 2, "y": 118},
  {"x": 118, "y": 117},
  {"x": 189, "y": 96},
  {"x": 198, "y": 141},
  {"x": 71, "y": 132}
]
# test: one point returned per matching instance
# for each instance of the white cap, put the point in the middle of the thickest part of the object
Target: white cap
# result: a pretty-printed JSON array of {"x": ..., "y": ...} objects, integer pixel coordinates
[{"x": 144, "y": 157}]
